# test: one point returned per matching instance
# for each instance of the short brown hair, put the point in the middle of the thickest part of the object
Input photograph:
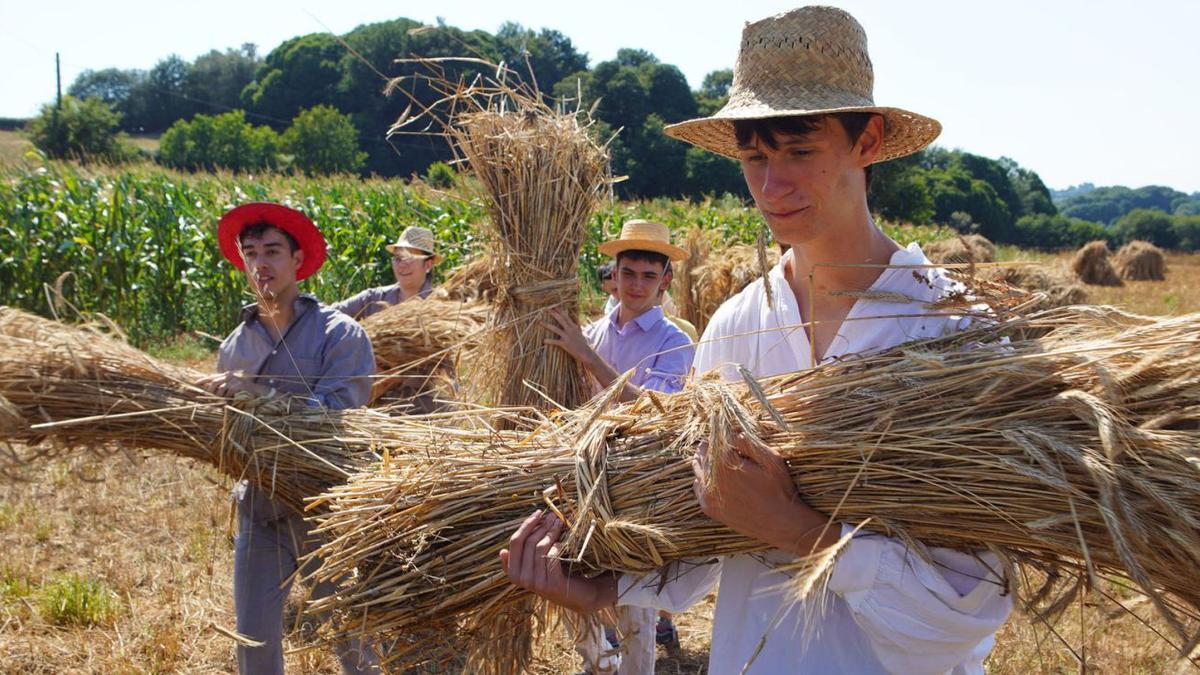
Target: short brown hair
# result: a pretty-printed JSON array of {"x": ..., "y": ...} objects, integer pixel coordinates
[
  {"x": 257, "y": 230},
  {"x": 767, "y": 128}
]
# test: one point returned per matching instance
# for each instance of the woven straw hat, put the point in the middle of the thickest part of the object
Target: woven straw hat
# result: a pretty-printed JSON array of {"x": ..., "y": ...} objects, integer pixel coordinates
[
  {"x": 418, "y": 238},
  {"x": 643, "y": 235},
  {"x": 809, "y": 61}
]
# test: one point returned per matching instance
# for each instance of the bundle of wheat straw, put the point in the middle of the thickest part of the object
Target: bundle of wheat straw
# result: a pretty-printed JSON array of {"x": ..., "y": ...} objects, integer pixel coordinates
[
  {"x": 473, "y": 281},
  {"x": 1077, "y": 451},
  {"x": 420, "y": 343},
  {"x": 699, "y": 244},
  {"x": 723, "y": 274},
  {"x": 542, "y": 175},
  {"x": 1140, "y": 261},
  {"x": 77, "y": 390},
  {"x": 971, "y": 248}
]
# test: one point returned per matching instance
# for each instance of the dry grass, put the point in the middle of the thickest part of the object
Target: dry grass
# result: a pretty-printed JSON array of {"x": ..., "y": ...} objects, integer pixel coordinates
[{"x": 13, "y": 146}]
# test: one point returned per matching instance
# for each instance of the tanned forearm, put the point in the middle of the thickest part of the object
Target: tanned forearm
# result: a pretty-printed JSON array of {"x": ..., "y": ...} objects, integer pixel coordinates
[{"x": 605, "y": 375}]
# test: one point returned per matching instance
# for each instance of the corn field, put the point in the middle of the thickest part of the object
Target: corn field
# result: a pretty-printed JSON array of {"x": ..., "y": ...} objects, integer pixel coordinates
[{"x": 138, "y": 244}]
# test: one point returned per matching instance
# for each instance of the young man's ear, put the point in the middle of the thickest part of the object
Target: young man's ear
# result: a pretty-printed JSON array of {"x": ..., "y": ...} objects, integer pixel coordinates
[
  {"x": 870, "y": 141},
  {"x": 298, "y": 256},
  {"x": 666, "y": 280}
]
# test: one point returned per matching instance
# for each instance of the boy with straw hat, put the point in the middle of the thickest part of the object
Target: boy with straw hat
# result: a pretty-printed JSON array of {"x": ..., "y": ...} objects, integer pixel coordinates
[
  {"x": 413, "y": 258},
  {"x": 803, "y": 124},
  {"x": 289, "y": 343},
  {"x": 633, "y": 335}
]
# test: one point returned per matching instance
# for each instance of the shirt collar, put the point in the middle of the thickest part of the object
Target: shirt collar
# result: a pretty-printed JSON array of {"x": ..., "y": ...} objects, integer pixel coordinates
[
  {"x": 646, "y": 320},
  {"x": 909, "y": 255},
  {"x": 302, "y": 304}
]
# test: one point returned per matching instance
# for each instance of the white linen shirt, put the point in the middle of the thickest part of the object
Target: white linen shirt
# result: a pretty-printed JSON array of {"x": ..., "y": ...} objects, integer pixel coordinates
[{"x": 887, "y": 610}]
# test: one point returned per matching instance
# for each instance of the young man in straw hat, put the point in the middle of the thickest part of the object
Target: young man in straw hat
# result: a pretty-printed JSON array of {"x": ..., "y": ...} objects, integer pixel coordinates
[
  {"x": 634, "y": 334},
  {"x": 287, "y": 343},
  {"x": 802, "y": 122},
  {"x": 413, "y": 258}
]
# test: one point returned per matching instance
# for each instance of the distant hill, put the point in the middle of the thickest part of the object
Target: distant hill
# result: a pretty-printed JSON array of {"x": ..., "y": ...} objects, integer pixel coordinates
[
  {"x": 1059, "y": 196},
  {"x": 1107, "y": 204}
]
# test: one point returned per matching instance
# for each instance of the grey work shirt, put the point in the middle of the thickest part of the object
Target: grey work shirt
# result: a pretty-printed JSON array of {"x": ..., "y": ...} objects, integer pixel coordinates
[
  {"x": 324, "y": 358},
  {"x": 373, "y": 300}
]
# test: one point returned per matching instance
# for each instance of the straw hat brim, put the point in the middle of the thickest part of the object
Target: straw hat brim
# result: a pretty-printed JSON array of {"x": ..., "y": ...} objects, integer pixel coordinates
[
  {"x": 391, "y": 248},
  {"x": 904, "y": 133},
  {"x": 615, "y": 246}
]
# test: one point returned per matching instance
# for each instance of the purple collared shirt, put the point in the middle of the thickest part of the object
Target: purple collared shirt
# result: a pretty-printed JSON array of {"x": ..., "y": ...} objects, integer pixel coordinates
[
  {"x": 659, "y": 353},
  {"x": 373, "y": 300},
  {"x": 324, "y": 358}
]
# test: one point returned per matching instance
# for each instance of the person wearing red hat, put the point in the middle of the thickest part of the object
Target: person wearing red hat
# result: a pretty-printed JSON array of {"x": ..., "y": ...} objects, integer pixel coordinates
[{"x": 287, "y": 344}]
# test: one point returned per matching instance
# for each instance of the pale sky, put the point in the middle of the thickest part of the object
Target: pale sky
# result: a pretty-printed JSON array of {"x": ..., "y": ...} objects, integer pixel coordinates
[{"x": 1103, "y": 92}]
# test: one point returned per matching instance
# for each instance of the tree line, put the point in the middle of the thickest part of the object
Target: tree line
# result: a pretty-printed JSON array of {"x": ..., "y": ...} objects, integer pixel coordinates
[{"x": 236, "y": 110}]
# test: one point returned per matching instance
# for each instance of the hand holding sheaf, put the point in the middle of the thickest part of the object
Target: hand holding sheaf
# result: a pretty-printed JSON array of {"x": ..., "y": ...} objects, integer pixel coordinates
[{"x": 749, "y": 490}]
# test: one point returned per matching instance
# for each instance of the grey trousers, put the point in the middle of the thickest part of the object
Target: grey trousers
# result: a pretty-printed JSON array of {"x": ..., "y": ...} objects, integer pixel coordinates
[{"x": 265, "y": 555}]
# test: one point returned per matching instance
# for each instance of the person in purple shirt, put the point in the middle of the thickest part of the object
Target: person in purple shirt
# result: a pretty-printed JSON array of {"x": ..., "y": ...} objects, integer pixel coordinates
[
  {"x": 413, "y": 258},
  {"x": 287, "y": 344},
  {"x": 633, "y": 335}
]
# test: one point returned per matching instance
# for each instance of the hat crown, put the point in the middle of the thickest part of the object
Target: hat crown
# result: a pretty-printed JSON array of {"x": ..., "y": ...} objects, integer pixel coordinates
[
  {"x": 645, "y": 229},
  {"x": 808, "y": 58},
  {"x": 416, "y": 237}
]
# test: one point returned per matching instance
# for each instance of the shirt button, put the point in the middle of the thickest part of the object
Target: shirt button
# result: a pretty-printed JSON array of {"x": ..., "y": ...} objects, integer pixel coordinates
[{"x": 274, "y": 351}]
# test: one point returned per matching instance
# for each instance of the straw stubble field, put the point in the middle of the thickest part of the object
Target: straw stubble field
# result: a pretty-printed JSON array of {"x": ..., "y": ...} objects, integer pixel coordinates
[{"x": 125, "y": 566}]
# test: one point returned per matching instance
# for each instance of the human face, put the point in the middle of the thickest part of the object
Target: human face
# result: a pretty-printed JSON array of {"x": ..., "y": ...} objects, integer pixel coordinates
[
  {"x": 410, "y": 265},
  {"x": 811, "y": 185},
  {"x": 638, "y": 284},
  {"x": 270, "y": 263}
]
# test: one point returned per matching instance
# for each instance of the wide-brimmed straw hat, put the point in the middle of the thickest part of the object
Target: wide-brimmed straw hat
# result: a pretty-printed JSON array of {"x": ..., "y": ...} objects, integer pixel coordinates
[
  {"x": 418, "y": 238},
  {"x": 643, "y": 235},
  {"x": 809, "y": 61},
  {"x": 295, "y": 223}
]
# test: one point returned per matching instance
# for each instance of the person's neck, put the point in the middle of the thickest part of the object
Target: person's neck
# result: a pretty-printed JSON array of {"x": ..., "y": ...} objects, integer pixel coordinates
[
  {"x": 824, "y": 262},
  {"x": 407, "y": 292},
  {"x": 625, "y": 314},
  {"x": 277, "y": 313}
]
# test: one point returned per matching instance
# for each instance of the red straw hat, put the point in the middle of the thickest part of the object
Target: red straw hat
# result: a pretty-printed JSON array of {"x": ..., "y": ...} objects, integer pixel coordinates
[{"x": 295, "y": 223}]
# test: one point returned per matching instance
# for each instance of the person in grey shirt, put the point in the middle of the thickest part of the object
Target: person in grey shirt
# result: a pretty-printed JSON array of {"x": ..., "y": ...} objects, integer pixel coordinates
[
  {"x": 287, "y": 344},
  {"x": 413, "y": 258}
]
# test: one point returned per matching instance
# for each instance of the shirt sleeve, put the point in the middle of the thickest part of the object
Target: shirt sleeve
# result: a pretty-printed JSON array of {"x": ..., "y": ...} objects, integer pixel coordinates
[
  {"x": 716, "y": 349},
  {"x": 355, "y": 304},
  {"x": 688, "y": 581},
  {"x": 346, "y": 368},
  {"x": 921, "y": 616},
  {"x": 670, "y": 367}
]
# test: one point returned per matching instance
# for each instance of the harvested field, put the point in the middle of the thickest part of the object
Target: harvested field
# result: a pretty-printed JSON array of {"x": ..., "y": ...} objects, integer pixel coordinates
[{"x": 154, "y": 532}]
